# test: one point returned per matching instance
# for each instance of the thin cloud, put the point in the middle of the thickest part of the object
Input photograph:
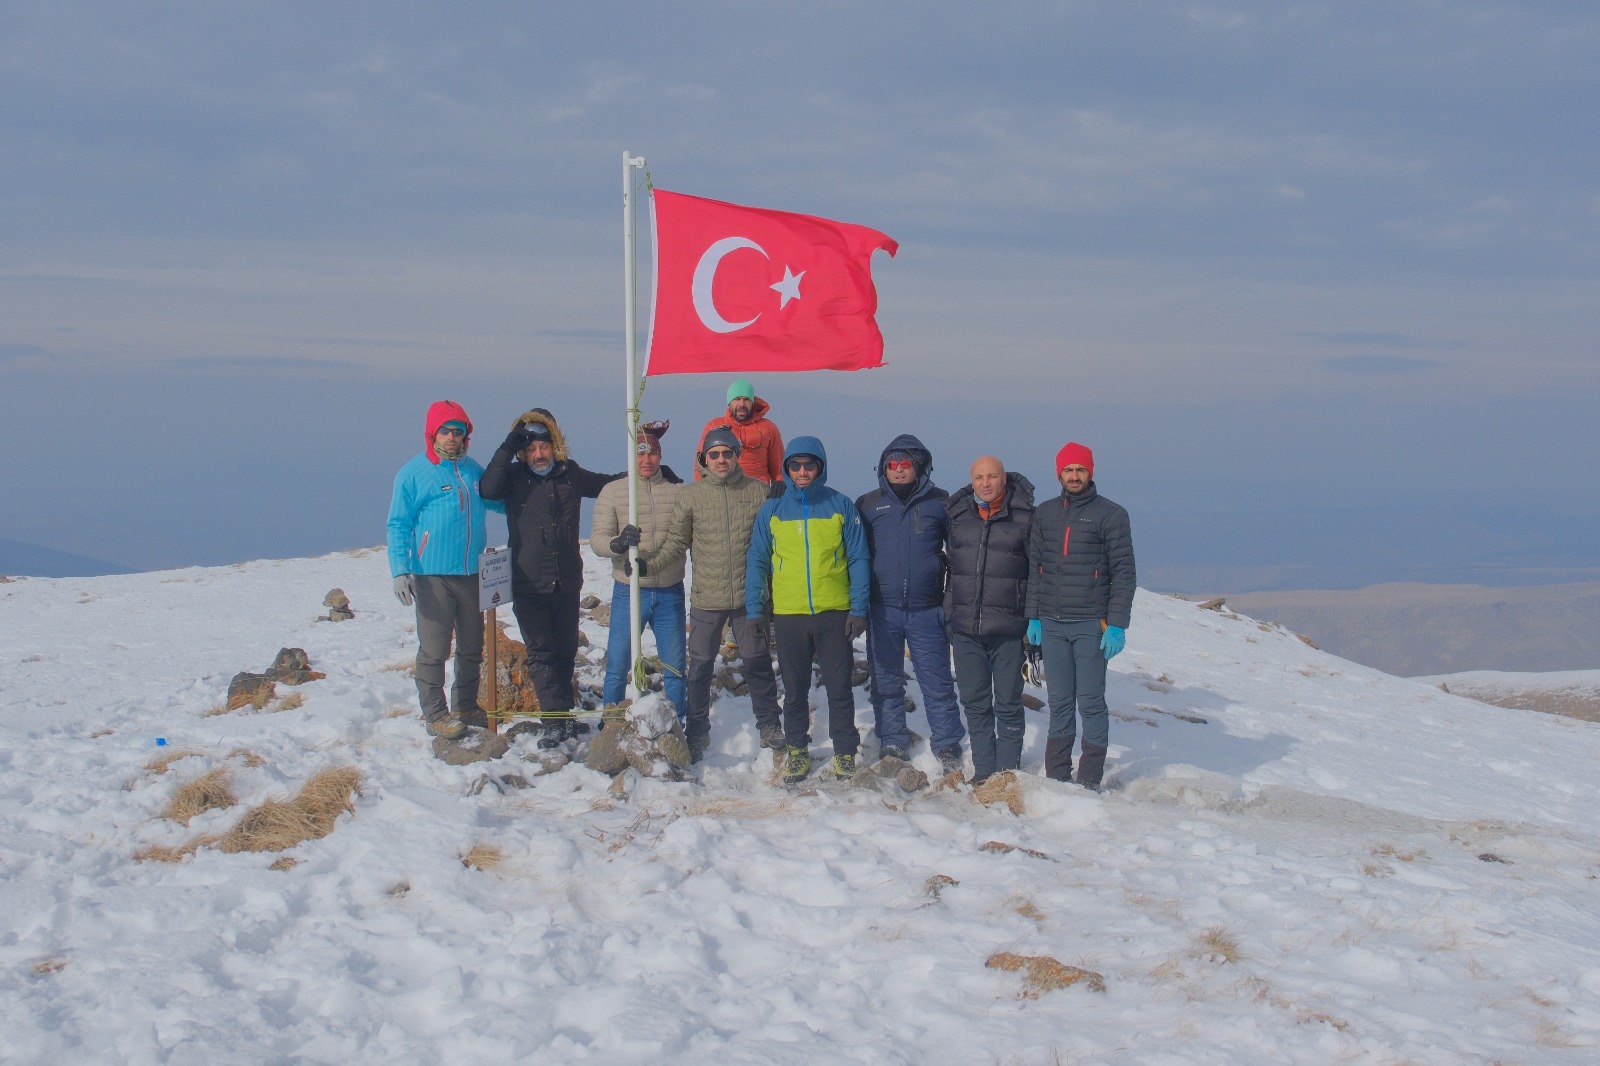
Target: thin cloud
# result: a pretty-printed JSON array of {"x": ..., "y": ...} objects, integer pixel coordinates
[{"x": 1378, "y": 364}]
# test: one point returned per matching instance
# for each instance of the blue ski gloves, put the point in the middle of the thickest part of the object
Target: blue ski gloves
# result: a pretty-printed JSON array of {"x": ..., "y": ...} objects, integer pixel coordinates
[
  {"x": 1035, "y": 632},
  {"x": 1112, "y": 641}
]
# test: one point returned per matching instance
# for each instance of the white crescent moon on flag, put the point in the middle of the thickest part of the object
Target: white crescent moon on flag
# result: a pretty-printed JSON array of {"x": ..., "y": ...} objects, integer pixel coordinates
[{"x": 705, "y": 272}]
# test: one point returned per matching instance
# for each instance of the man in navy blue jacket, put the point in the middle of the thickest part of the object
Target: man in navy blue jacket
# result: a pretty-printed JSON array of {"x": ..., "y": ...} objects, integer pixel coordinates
[{"x": 906, "y": 524}]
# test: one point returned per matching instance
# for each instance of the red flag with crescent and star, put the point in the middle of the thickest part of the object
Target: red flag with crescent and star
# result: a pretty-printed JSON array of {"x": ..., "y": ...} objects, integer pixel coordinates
[{"x": 748, "y": 289}]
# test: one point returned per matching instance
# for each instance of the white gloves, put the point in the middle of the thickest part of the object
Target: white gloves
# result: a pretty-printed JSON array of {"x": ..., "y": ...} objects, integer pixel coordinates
[{"x": 404, "y": 591}]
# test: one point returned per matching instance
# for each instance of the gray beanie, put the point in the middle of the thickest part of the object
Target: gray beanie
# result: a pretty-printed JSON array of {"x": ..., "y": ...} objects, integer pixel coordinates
[{"x": 722, "y": 437}]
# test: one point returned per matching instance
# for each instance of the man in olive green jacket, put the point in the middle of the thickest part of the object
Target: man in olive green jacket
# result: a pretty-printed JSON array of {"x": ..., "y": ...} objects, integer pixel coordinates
[{"x": 712, "y": 518}]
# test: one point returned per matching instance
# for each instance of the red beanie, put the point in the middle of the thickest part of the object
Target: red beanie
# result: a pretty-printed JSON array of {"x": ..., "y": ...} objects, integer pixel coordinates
[{"x": 1075, "y": 454}]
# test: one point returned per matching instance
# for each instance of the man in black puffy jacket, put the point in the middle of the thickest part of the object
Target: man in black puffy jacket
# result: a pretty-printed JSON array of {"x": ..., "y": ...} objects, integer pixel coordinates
[
  {"x": 1080, "y": 600},
  {"x": 985, "y": 605},
  {"x": 543, "y": 490}
]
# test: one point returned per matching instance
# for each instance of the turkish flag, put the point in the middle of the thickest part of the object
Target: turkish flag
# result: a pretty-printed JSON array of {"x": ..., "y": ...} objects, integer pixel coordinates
[{"x": 743, "y": 288}]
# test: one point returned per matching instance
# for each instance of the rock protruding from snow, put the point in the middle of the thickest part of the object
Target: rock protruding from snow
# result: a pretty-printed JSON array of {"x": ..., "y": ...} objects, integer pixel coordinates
[
  {"x": 338, "y": 605},
  {"x": 649, "y": 739}
]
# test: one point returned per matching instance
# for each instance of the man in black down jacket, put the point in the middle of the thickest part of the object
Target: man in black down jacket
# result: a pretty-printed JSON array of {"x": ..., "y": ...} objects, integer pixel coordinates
[
  {"x": 1080, "y": 600},
  {"x": 986, "y": 603},
  {"x": 905, "y": 523},
  {"x": 543, "y": 491}
]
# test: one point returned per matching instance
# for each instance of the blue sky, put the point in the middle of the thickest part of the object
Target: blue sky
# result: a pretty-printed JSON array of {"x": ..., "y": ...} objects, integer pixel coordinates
[{"x": 1318, "y": 282}]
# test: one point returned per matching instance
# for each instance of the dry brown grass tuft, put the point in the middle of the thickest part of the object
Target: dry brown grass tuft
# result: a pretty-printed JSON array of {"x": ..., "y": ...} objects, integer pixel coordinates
[
  {"x": 1389, "y": 851},
  {"x": 161, "y": 763},
  {"x": 1028, "y": 909},
  {"x": 404, "y": 666},
  {"x": 1000, "y": 847},
  {"x": 286, "y": 863},
  {"x": 1171, "y": 970},
  {"x": 1045, "y": 974},
  {"x": 168, "y": 853},
  {"x": 101, "y": 733},
  {"x": 399, "y": 710},
  {"x": 1216, "y": 944},
  {"x": 277, "y": 825},
  {"x": 483, "y": 856},
  {"x": 251, "y": 759},
  {"x": 1376, "y": 869},
  {"x": 1547, "y": 1033},
  {"x": 290, "y": 702},
  {"x": 48, "y": 966},
  {"x": 1002, "y": 787},
  {"x": 214, "y": 710},
  {"x": 212, "y": 790}
]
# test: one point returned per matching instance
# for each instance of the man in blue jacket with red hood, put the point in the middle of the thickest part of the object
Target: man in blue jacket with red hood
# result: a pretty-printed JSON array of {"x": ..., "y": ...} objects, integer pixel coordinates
[
  {"x": 906, "y": 525},
  {"x": 809, "y": 556},
  {"x": 436, "y": 533}
]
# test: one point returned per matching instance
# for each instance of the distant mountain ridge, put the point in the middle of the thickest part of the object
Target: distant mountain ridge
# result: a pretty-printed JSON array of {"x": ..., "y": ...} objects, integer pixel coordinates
[
  {"x": 1412, "y": 629},
  {"x": 19, "y": 558}
]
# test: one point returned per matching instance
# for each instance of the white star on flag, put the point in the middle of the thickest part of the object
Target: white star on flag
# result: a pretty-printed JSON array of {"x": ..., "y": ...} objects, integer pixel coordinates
[{"x": 788, "y": 288}]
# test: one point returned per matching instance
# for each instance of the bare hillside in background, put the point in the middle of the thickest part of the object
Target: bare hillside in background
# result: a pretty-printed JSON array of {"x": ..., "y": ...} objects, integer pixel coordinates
[{"x": 1410, "y": 629}]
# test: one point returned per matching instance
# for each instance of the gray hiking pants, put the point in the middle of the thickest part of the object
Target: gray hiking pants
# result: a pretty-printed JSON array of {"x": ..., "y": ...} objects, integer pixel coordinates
[
  {"x": 989, "y": 676},
  {"x": 447, "y": 604},
  {"x": 705, "y": 639}
]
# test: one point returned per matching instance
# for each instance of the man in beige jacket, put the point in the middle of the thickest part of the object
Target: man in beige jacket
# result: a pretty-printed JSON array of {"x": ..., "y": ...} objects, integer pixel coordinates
[
  {"x": 712, "y": 519},
  {"x": 660, "y": 587}
]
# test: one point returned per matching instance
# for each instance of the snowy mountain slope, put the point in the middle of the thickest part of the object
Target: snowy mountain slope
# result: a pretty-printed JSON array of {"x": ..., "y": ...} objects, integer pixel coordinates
[
  {"x": 1575, "y": 693},
  {"x": 1301, "y": 861}
]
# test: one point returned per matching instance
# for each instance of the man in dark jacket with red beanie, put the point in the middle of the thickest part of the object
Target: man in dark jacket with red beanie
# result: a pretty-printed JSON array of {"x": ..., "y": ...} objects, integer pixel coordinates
[{"x": 1080, "y": 600}]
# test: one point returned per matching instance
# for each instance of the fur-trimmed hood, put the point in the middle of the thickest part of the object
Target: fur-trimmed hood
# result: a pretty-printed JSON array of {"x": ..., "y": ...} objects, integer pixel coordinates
[{"x": 540, "y": 416}]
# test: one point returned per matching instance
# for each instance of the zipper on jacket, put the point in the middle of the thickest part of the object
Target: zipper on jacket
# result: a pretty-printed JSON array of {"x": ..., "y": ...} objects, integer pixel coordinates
[
  {"x": 466, "y": 505},
  {"x": 805, "y": 533}
]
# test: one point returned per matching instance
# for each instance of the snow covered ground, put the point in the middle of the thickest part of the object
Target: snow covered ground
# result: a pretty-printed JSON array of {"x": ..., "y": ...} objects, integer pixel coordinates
[{"x": 1300, "y": 861}]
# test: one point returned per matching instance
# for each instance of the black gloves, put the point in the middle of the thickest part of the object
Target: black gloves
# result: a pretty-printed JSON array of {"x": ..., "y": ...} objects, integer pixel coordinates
[
  {"x": 517, "y": 439},
  {"x": 855, "y": 626},
  {"x": 628, "y": 538},
  {"x": 627, "y": 567}
]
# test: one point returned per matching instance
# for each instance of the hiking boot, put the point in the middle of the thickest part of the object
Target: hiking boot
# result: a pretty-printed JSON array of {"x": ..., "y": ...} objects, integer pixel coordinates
[
  {"x": 553, "y": 732},
  {"x": 797, "y": 767},
  {"x": 474, "y": 716},
  {"x": 949, "y": 760},
  {"x": 697, "y": 748},
  {"x": 772, "y": 736},
  {"x": 894, "y": 751},
  {"x": 447, "y": 726},
  {"x": 844, "y": 767}
]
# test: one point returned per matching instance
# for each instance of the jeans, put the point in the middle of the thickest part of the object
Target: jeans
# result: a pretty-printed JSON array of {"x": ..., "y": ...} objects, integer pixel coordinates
[
  {"x": 889, "y": 631},
  {"x": 662, "y": 610},
  {"x": 989, "y": 673}
]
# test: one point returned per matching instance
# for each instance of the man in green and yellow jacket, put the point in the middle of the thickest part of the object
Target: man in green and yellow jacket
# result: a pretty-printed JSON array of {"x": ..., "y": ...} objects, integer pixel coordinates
[{"x": 809, "y": 555}]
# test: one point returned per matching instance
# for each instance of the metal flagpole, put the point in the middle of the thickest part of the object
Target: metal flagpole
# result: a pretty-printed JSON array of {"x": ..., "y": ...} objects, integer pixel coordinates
[{"x": 630, "y": 163}]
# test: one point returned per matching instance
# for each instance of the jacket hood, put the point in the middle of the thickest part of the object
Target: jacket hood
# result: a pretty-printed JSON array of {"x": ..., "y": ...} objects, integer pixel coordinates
[
  {"x": 440, "y": 412},
  {"x": 542, "y": 417},
  {"x": 805, "y": 446},
  {"x": 920, "y": 455}
]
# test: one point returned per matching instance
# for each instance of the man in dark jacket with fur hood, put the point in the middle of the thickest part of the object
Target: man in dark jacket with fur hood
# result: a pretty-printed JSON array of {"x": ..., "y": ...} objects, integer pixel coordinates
[
  {"x": 986, "y": 607},
  {"x": 905, "y": 523},
  {"x": 543, "y": 490},
  {"x": 1080, "y": 600}
]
